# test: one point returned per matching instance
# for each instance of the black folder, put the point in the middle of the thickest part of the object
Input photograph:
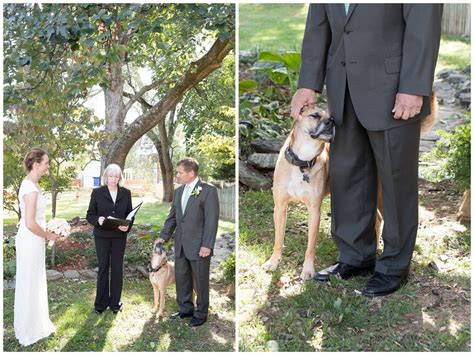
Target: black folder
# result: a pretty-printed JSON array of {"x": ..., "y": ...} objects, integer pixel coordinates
[{"x": 112, "y": 223}]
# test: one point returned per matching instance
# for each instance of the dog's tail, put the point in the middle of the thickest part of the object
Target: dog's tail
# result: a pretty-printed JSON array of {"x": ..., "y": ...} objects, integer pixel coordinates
[{"x": 428, "y": 122}]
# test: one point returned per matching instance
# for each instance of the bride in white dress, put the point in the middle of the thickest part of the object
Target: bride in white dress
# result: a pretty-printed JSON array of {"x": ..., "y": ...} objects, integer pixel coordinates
[{"x": 31, "y": 317}]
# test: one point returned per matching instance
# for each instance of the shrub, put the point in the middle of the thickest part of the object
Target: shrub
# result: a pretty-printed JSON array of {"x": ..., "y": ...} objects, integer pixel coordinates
[
  {"x": 228, "y": 266},
  {"x": 453, "y": 151}
]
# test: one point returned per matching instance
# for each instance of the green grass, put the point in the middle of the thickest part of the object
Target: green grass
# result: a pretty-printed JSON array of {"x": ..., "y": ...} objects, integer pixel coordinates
[
  {"x": 333, "y": 317},
  {"x": 454, "y": 52},
  {"x": 134, "y": 329},
  {"x": 272, "y": 26}
]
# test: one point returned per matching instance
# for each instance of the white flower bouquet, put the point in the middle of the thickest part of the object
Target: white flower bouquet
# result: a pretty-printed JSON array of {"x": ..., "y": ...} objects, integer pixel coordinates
[{"x": 58, "y": 226}]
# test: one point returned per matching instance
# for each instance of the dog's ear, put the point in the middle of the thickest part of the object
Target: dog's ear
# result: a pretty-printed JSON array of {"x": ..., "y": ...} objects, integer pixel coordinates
[{"x": 304, "y": 108}]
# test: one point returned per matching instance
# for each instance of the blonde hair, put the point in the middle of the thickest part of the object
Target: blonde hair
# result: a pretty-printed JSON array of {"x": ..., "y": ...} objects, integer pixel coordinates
[{"x": 112, "y": 168}]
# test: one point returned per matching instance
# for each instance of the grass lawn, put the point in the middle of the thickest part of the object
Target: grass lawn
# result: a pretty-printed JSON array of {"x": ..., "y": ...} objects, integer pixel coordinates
[
  {"x": 272, "y": 26},
  {"x": 136, "y": 328},
  {"x": 430, "y": 313}
]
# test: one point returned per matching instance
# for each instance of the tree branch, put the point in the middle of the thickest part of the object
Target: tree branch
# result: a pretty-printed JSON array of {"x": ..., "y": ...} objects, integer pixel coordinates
[{"x": 140, "y": 92}]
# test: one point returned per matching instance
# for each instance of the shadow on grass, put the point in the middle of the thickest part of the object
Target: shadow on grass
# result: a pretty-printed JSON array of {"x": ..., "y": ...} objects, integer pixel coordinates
[
  {"x": 430, "y": 313},
  {"x": 92, "y": 334},
  {"x": 176, "y": 335}
]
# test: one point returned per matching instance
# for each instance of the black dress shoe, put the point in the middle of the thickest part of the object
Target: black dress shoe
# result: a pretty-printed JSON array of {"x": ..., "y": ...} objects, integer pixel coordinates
[
  {"x": 381, "y": 285},
  {"x": 116, "y": 310},
  {"x": 344, "y": 271},
  {"x": 99, "y": 311},
  {"x": 180, "y": 315},
  {"x": 196, "y": 322}
]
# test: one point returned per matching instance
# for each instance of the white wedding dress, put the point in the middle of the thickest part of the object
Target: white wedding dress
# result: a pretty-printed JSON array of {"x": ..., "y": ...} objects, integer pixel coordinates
[{"x": 31, "y": 320}]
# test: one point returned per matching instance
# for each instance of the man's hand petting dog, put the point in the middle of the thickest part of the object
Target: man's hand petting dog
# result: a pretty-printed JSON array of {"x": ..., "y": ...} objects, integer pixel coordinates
[
  {"x": 204, "y": 252},
  {"x": 160, "y": 241},
  {"x": 303, "y": 97},
  {"x": 407, "y": 106}
]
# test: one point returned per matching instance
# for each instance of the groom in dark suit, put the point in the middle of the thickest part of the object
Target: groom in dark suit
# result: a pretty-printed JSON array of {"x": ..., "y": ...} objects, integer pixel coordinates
[
  {"x": 378, "y": 62},
  {"x": 193, "y": 218}
]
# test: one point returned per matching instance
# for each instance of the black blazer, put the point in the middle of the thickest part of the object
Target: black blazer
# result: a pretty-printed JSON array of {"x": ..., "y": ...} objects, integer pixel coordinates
[
  {"x": 377, "y": 50},
  {"x": 102, "y": 205}
]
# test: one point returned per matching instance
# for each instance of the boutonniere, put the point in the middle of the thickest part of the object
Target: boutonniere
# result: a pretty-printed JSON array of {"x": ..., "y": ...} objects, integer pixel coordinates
[{"x": 196, "y": 191}]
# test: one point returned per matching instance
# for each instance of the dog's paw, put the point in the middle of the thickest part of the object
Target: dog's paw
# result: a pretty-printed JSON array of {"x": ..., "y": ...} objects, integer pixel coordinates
[
  {"x": 308, "y": 273},
  {"x": 271, "y": 264}
]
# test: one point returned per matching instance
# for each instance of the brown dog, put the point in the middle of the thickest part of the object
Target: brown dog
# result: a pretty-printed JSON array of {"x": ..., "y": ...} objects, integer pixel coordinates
[
  {"x": 302, "y": 175},
  {"x": 161, "y": 275}
]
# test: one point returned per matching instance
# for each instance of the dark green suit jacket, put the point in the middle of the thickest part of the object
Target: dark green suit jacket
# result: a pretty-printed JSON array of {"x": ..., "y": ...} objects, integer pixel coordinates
[{"x": 376, "y": 49}]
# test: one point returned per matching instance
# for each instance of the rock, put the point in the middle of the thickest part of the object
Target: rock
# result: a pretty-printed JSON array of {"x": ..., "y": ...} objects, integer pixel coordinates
[
  {"x": 465, "y": 99},
  {"x": 88, "y": 274},
  {"x": 52, "y": 275},
  {"x": 142, "y": 270},
  {"x": 456, "y": 78},
  {"x": 445, "y": 73},
  {"x": 132, "y": 268},
  {"x": 247, "y": 56},
  {"x": 431, "y": 136},
  {"x": 263, "y": 160},
  {"x": 71, "y": 274},
  {"x": 9, "y": 284},
  {"x": 268, "y": 145},
  {"x": 252, "y": 178}
]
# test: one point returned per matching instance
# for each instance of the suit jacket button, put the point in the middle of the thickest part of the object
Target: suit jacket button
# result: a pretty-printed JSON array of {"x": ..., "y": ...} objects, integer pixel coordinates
[{"x": 343, "y": 63}]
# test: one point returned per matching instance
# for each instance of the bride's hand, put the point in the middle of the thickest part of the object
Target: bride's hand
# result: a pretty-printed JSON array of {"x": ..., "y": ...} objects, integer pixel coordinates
[
  {"x": 52, "y": 236},
  {"x": 123, "y": 228}
]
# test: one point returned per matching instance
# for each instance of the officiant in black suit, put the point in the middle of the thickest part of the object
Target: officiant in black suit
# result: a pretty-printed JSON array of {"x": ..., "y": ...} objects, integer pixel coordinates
[
  {"x": 113, "y": 200},
  {"x": 193, "y": 217}
]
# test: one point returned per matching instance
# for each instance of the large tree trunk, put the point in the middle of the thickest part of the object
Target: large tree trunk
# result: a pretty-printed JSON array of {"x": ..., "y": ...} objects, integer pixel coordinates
[
  {"x": 114, "y": 113},
  {"x": 166, "y": 168},
  {"x": 198, "y": 71}
]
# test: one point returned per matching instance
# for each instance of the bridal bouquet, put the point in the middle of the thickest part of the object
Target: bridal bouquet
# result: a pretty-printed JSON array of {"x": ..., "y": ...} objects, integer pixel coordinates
[{"x": 58, "y": 226}]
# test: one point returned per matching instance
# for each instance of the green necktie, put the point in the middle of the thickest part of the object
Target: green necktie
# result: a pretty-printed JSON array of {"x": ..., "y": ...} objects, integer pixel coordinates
[
  {"x": 184, "y": 201},
  {"x": 346, "y": 7}
]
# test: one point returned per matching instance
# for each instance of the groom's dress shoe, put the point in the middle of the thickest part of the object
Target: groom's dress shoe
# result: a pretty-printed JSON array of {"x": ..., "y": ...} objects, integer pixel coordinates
[
  {"x": 196, "y": 322},
  {"x": 180, "y": 315},
  {"x": 119, "y": 309},
  {"x": 381, "y": 285},
  {"x": 344, "y": 271}
]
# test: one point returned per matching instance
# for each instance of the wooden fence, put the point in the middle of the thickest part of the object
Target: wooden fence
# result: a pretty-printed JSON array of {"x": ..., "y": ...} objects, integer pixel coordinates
[
  {"x": 226, "y": 194},
  {"x": 457, "y": 19}
]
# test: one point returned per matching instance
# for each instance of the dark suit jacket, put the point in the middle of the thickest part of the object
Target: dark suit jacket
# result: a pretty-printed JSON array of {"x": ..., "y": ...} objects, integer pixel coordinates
[
  {"x": 197, "y": 226},
  {"x": 378, "y": 50},
  {"x": 101, "y": 204}
]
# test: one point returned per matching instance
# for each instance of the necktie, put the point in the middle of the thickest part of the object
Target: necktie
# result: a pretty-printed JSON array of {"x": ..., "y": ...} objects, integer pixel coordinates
[
  {"x": 184, "y": 200},
  {"x": 346, "y": 7}
]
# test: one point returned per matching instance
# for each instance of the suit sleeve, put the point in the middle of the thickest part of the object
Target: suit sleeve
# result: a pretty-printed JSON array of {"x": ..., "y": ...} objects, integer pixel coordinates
[
  {"x": 92, "y": 216},
  {"x": 170, "y": 223},
  {"x": 420, "y": 47},
  {"x": 211, "y": 219},
  {"x": 317, "y": 36}
]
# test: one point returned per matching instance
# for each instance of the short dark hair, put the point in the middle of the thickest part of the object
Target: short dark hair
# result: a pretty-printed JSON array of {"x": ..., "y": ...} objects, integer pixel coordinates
[
  {"x": 189, "y": 164},
  {"x": 35, "y": 155}
]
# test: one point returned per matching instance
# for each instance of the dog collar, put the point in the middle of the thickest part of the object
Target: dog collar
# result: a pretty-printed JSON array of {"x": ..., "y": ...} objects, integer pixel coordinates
[
  {"x": 293, "y": 159},
  {"x": 150, "y": 269}
]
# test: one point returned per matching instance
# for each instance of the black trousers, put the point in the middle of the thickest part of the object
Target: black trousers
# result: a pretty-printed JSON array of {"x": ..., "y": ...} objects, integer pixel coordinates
[
  {"x": 110, "y": 253},
  {"x": 186, "y": 271},
  {"x": 357, "y": 157}
]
